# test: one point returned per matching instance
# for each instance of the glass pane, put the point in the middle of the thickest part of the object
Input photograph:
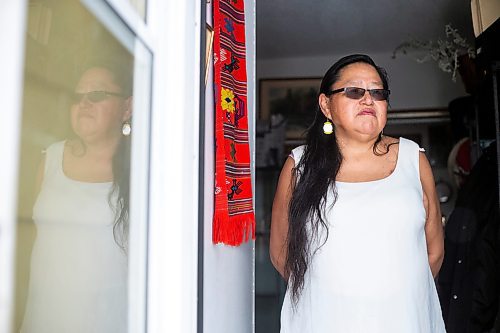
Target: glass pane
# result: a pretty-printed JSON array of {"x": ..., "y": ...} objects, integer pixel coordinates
[{"x": 73, "y": 201}]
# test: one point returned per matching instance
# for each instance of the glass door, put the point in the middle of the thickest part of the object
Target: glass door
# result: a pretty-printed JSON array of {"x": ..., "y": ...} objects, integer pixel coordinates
[{"x": 77, "y": 224}]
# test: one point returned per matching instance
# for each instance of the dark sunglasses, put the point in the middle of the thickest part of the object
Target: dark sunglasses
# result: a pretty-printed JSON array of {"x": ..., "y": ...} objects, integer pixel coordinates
[
  {"x": 358, "y": 93},
  {"x": 94, "y": 96}
]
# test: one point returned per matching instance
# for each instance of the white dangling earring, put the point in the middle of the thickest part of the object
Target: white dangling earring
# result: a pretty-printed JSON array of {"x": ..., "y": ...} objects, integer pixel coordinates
[
  {"x": 327, "y": 127},
  {"x": 126, "y": 128}
]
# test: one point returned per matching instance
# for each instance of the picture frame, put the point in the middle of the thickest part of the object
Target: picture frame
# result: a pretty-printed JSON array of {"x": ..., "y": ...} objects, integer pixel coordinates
[
  {"x": 418, "y": 115},
  {"x": 296, "y": 99},
  {"x": 430, "y": 128}
]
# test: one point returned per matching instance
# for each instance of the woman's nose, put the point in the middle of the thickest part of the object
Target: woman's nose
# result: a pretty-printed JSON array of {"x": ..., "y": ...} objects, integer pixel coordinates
[
  {"x": 84, "y": 101},
  {"x": 367, "y": 98}
]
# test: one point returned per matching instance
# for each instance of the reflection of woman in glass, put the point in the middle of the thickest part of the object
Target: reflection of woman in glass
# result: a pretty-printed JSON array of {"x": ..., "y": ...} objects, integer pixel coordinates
[{"x": 78, "y": 278}]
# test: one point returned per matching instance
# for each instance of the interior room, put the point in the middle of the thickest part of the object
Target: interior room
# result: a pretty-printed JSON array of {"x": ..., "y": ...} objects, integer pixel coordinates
[{"x": 432, "y": 101}]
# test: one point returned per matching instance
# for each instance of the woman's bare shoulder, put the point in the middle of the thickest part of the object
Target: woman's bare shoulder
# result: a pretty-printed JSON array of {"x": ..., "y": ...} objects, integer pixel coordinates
[{"x": 389, "y": 140}]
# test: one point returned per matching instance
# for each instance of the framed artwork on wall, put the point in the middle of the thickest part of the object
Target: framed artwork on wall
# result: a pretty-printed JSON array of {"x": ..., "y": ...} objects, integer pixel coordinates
[
  {"x": 296, "y": 100},
  {"x": 430, "y": 128}
]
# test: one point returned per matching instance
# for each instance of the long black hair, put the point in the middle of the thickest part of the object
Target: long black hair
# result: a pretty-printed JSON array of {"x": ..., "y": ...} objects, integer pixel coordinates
[
  {"x": 123, "y": 76},
  {"x": 315, "y": 176},
  {"x": 121, "y": 188},
  {"x": 119, "y": 196}
]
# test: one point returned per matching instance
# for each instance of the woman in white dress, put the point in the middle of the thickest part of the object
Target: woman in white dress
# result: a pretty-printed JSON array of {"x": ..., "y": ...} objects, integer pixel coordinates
[
  {"x": 78, "y": 276},
  {"x": 356, "y": 228}
]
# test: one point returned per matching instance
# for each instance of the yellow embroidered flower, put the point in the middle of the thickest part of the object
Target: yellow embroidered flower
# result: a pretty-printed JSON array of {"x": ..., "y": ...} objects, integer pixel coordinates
[{"x": 227, "y": 100}]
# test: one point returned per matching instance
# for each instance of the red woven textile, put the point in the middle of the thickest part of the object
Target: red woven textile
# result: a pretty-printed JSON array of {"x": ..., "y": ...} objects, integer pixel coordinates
[{"x": 234, "y": 221}]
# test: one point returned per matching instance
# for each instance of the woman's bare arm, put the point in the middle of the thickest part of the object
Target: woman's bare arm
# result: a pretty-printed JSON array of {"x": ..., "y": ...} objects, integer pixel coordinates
[
  {"x": 433, "y": 225},
  {"x": 279, "y": 218},
  {"x": 39, "y": 175}
]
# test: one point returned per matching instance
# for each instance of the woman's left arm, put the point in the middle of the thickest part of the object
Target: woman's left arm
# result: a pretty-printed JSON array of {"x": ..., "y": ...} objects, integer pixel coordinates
[{"x": 433, "y": 225}]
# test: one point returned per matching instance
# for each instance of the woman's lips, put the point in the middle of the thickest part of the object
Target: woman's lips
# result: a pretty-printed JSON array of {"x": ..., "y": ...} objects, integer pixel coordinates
[
  {"x": 367, "y": 112},
  {"x": 85, "y": 114}
]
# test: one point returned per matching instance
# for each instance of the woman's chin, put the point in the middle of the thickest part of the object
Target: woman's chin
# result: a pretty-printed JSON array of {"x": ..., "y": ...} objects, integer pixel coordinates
[
  {"x": 369, "y": 131},
  {"x": 86, "y": 135}
]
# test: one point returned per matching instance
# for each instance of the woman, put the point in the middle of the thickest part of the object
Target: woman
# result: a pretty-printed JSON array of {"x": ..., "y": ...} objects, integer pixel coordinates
[
  {"x": 78, "y": 278},
  {"x": 356, "y": 223}
]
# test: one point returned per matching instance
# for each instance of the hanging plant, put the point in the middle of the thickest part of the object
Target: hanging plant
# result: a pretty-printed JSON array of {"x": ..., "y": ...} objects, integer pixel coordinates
[{"x": 444, "y": 51}]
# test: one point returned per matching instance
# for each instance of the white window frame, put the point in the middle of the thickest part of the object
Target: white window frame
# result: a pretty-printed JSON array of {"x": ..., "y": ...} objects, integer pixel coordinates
[{"x": 12, "y": 25}]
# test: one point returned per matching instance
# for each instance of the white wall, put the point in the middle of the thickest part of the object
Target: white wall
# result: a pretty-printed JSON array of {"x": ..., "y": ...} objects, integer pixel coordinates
[
  {"x": 413, "y": 85},
  {"x": 228, "y": 284}
]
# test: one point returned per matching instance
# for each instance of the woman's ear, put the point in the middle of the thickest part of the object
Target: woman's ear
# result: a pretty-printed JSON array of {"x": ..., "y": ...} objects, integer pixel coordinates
[
  {"x": 324, "y": 104},
  {"x": 129, "y": 102}
]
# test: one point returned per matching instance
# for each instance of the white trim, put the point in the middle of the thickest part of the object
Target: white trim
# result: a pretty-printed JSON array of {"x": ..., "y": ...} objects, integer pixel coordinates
[
  {"x": 250, "y": 36},
  {"x": 173, "y": 232},
  {"x": 12, "y": 25},
  {"x": 139, "y": 188}
]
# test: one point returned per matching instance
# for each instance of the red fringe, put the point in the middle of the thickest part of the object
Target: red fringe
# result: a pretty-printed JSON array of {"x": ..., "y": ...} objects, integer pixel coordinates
[{"x": 234, "y": 230}]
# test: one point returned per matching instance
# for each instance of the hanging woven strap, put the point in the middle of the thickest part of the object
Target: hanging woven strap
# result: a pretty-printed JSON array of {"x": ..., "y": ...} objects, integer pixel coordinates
[{"x": 234, "y": 220}]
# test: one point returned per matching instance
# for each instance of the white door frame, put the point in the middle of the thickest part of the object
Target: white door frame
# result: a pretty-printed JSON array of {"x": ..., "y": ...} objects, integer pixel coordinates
[{"x": 173, "y": 236}]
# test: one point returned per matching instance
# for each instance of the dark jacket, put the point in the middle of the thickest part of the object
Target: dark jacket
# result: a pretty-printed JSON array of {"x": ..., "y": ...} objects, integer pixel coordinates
[{"x": 468, "y": 282}]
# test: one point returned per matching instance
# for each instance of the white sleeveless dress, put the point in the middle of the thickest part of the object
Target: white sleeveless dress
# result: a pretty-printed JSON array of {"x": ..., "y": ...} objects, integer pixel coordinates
[
  {"x": 78, "y": 277},
  {"x": 372, "y": 274}
]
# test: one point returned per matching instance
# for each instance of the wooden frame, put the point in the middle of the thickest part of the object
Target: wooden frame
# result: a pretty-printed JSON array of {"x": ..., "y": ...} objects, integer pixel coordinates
[
  {"x": 208, "y": 48},
  {"x": 296, "y": 99}
]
